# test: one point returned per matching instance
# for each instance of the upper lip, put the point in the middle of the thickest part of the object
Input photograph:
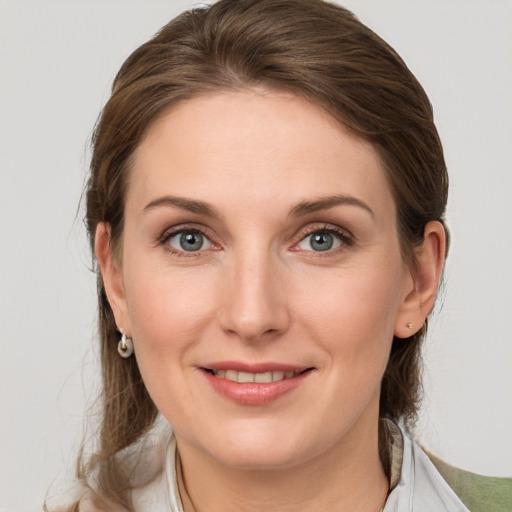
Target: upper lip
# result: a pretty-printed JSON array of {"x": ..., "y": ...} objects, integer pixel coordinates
[{"x": 264, "y": 367}]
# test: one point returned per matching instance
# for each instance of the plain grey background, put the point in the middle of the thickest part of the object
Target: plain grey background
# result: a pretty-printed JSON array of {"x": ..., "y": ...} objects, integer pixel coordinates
[{"x": 57, "y": 60}]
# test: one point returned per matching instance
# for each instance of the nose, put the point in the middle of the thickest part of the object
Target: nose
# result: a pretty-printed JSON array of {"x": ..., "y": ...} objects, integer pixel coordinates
[{"x": 254, "y": 306}]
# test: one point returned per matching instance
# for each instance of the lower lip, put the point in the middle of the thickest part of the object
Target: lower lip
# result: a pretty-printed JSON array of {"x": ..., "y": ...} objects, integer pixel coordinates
[{"x": 252, "y": 393}]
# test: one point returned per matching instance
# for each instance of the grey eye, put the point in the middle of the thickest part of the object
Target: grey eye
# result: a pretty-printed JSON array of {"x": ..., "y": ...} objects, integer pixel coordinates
[
  {"x": 320, "y": 241},
  {"x": 189, "y": 241}
]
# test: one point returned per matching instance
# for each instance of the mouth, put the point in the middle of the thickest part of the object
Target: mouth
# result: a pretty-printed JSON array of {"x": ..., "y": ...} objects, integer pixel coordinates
[
  {"x": 267, "y": 377},
  {"x": 256, "y": 384}
]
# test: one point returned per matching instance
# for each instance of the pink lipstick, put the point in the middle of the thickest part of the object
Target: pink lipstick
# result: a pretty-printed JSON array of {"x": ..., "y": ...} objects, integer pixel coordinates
[{"x": 254, "y": 384}]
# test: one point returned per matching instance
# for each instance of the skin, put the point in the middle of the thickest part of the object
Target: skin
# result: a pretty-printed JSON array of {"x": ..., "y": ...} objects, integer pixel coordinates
[{"x": 258, "y": 291}]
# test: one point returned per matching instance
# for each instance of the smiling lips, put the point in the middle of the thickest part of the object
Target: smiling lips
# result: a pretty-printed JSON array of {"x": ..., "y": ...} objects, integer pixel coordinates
[
  {"x": 259, "y": 387},
  {"x": 260, "y": 378}
]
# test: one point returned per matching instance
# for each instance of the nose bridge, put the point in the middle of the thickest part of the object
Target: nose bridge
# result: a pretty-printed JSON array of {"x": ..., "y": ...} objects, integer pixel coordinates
[{"x": 254, "y": 307}]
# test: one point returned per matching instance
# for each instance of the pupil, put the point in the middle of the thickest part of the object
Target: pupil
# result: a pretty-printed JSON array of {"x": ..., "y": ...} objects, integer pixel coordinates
[
  {"x": 191, "y": 241},
  {"x": 321, "y": 242}
]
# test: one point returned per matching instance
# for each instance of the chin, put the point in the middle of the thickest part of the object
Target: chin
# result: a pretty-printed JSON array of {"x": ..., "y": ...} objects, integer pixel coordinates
[
  {"x": 260, "y": 447},
  {"x": 262, "y": 458}
]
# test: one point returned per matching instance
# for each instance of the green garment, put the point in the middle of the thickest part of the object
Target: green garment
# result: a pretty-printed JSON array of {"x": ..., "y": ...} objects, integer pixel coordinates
[{"x": 478, "y": 493}]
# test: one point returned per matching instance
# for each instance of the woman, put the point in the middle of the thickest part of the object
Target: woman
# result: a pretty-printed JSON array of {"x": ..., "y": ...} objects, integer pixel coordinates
[{"x": 265, "y": 205}]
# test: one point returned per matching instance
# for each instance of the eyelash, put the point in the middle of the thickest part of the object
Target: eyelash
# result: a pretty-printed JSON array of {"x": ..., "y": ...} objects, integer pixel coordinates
[{"x": 345, "y": 238}]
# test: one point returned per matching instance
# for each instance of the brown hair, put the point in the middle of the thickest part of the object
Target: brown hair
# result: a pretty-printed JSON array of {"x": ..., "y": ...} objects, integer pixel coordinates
[{"x": 310, "y": 48}]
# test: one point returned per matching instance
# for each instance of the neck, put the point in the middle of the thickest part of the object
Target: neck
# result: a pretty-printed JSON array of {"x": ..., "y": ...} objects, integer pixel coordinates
[{"x": 349, "y": 477}]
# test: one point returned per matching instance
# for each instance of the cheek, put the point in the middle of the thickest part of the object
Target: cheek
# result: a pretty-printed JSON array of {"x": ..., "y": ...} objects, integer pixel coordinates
[
  {"x": 352, "y": 314},
  {"x": 169, "y": 312},
  {"x": 168, "y": 307}
]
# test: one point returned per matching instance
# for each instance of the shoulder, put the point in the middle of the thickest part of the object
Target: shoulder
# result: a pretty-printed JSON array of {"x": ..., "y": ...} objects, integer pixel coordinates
[
  {"x": 419, "y": 485},
  {"x": 426, "y": 483},
  {"x": 477, "y": 492},
  {"x": 78, "y": 496},
  {"x": 147, "y": 462}
]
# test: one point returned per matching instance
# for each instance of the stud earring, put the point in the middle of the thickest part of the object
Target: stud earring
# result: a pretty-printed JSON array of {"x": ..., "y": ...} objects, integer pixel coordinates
[
  {"x": 408, "y": 325},
  {"x": 125, "y": 346}
]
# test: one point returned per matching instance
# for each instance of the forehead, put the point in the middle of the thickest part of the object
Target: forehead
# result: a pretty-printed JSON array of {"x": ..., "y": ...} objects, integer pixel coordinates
[{"x": 254, "y": 146}]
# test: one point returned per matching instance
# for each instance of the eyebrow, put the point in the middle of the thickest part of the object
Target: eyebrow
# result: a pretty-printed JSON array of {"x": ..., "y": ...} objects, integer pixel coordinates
[
  {"x": 324, "y": 203},
  {"x": 299, "y": 210},
  {"x": 191, "y": 205}
]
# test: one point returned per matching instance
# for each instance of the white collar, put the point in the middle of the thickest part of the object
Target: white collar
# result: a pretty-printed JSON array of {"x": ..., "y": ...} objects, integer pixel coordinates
[{"x": 420, "y": 487}]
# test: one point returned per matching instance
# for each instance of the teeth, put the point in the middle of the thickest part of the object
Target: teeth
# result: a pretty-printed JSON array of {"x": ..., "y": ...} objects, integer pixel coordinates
[
  {"x": 260, "y": 378},
  {"x": 246, "y": 377},
  {"x": 231, "y": 375},
  {"x": 263, "y": 378},
  {"x": 277, "y": 375}
]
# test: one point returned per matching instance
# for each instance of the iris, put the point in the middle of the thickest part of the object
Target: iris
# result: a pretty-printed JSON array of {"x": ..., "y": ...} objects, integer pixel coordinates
[
  {"x": 191, "y": 241},
  {"x": 321, "y": 241}
]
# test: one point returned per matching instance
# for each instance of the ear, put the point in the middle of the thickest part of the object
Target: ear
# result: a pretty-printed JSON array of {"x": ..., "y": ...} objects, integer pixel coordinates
[
  {"x": 421, "y": 289},
  {"x": 111, "y": 273}
]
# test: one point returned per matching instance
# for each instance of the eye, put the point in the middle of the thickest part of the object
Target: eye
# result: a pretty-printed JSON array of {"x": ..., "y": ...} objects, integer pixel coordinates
[
  {"x": 322, "y": 240},
  {"x": 189, "y": 241}
]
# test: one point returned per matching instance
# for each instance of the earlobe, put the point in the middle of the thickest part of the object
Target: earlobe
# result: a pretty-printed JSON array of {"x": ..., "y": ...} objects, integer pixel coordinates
[
  {"x": 420, "y": 297},
  {"x": 111, "y": 274}
]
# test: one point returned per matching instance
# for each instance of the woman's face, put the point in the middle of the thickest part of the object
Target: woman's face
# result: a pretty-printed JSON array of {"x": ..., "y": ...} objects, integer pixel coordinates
[{"x": 260, "y": 244}]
